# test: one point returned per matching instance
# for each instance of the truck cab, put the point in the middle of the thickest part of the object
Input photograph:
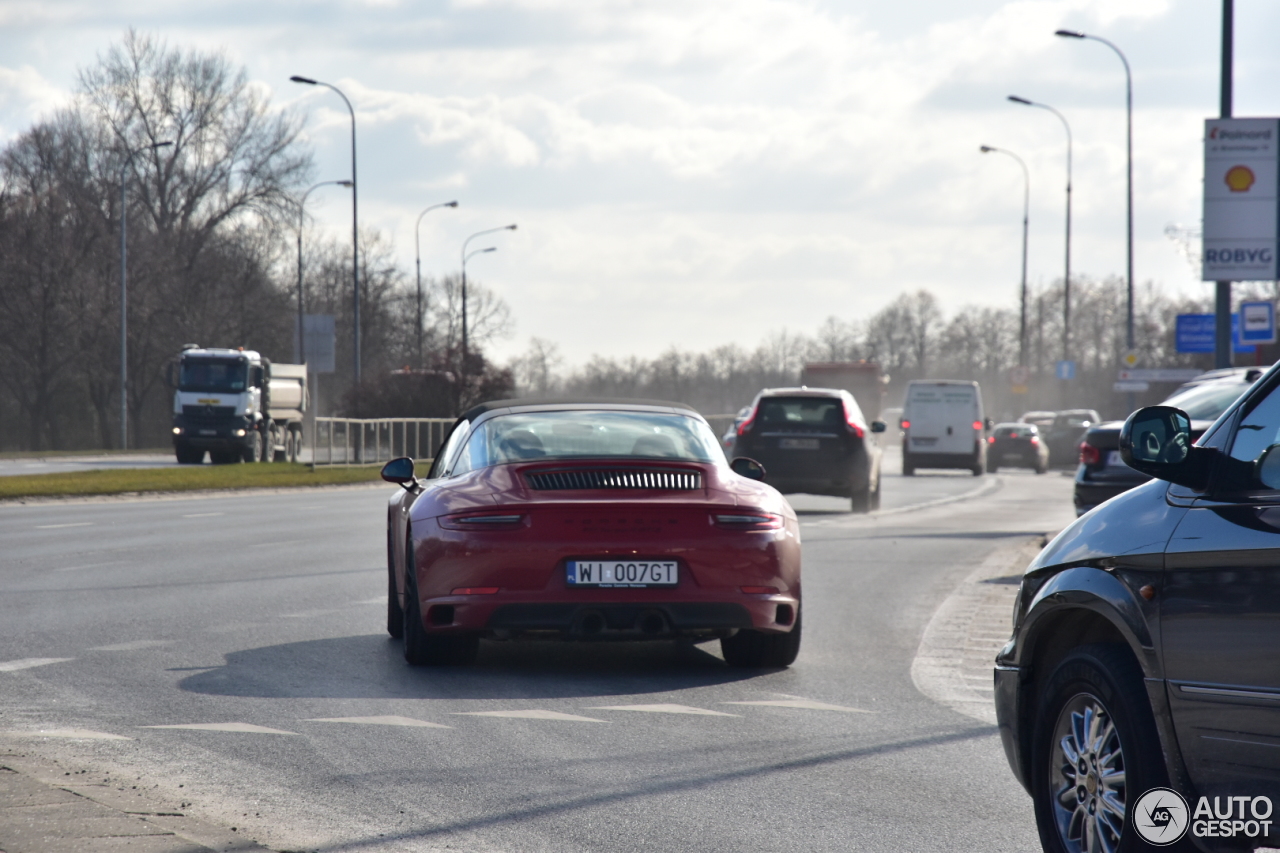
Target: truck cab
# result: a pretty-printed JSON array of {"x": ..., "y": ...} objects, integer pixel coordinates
[{"x": 233, "y": 404}]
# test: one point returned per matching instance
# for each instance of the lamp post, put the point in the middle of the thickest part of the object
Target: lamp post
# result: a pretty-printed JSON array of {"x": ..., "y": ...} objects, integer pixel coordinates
[
  {"x": 302, "y": 208},
  {"x": 1066, "y": 278},
  {"x": 465, "y": 351},
  {"x": 355, "y": 232},
  {"x": 417, "y": 262},
  {"x": 1128, "y": 103},
  {"x": 124, "y": 291},
  {"x": 1026, "y": 212}
]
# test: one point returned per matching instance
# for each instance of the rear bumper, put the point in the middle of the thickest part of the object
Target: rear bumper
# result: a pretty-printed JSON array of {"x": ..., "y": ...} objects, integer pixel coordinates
[
  {"x": 212, "y": 435},
  {"x": 941, "y": 460},
  {"x": 607, "y": 619},
  {"x": 1090, "y": 492}
]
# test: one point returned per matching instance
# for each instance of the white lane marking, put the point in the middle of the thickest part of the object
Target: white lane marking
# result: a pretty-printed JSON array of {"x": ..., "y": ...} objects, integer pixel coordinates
[
  {"x": 59, "y": 526},
  {"x": 203, "y": 514},
  {"x": 28, "y": 663},
  {"x": 532, "y": 714},
  {"x": 310, "y": 614},
  {"x": 88, "y": 566},
  {"x": 82, "y": 734},
  {"x": 246, "y": 728},
  {"x": 388, "y": 720},
  {"x": 379, "y": 599},
  {"x": 132, "y": 646},
  {"x": 664, "y": 709},
  {"x": 807, "y": 704}
]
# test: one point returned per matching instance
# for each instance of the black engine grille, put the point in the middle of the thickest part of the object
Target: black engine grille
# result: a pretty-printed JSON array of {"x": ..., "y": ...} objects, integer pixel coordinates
[
  {"x": 615, "y": 478},
  {"x": 208, "y": 411}
]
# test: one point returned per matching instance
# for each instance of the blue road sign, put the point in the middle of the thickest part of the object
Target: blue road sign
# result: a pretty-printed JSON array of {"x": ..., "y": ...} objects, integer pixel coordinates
[
  {"x": 1259, "y": 322},
  {"x": 1195, "y": 333},
  {"x": 1066, "y": 370}
]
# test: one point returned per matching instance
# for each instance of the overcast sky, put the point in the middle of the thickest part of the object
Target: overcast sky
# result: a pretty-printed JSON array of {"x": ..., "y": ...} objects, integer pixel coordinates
[{"x": 697, "y": 172}]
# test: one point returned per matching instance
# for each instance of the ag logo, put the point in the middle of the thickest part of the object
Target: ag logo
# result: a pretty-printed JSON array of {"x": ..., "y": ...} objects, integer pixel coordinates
[{"x": 1160, "y": 816}]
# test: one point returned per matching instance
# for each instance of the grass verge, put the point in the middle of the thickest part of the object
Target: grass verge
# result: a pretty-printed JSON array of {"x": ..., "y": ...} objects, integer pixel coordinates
[{"x": 185, "y": 479}]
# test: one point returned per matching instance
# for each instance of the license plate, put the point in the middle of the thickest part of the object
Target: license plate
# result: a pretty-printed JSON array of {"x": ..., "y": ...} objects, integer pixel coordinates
[
  {"x": 208, "y": 432},
  {"x": 622, "y": 573},
  {"x": 1011, "y": 456},
  {"x": 798, "y": 444},
  {"x": 1114, "y": 460}
]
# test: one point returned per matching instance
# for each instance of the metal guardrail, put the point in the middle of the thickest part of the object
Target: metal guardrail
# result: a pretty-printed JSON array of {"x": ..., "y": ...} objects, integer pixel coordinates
[{"x": 372, "y": 441}]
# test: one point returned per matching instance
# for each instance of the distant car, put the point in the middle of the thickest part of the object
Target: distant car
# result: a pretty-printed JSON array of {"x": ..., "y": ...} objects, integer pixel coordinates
[
  {"x": 1101, "y": 474},
  {"x": 1064, "y": 435},
  {"x": 731, "y": 434},
  {"x": 1238, "y": 374},
  {"x": 1016, "y": 446},
  {"x": 814, "y": 441},
  {"x": 1040, "y": 419},
  {"x": 1139, "y": 685},
  {"x": 589, "y": 520},
  {"x": 943, "y": 426}
]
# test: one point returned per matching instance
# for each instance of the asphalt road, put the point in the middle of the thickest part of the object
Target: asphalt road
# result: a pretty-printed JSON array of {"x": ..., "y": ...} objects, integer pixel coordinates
[{"x": 228, "y": 655}]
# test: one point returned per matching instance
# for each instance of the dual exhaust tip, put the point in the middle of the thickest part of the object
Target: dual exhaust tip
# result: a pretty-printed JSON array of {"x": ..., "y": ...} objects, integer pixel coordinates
[{"x": 592, "y": 623}]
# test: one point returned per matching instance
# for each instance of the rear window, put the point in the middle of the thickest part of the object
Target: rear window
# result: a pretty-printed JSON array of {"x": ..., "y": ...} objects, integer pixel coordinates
[
  {"x": 815, "y": 412},
  {"x": 1073, "y": 420},
  {"x": 1015, "y": 432},
  {"x": 1208, "y": 401},
  {"x": 948, "y": 394}
]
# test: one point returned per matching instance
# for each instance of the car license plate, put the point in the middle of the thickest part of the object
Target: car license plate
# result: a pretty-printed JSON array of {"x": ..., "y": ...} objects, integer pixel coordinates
[
  {"x": 1009, "y": 457},
  {"x": 1114, "y": 460},
  {"x": 798, "y": 444},
  {"x": 208, "y": 432},
  {"x": 622, "y": 573}
]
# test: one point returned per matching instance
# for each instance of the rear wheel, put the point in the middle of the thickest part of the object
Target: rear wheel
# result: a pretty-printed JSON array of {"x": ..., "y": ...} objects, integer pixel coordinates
[
  {"x": 908, "y": 469},
  {"x": 868, "y": 499},
  {"x": 756, "y": 649},
  {"x": 423, "y": 649},
  {"x": 252, "y": 447},
  {"x": 293, "y": 445}
]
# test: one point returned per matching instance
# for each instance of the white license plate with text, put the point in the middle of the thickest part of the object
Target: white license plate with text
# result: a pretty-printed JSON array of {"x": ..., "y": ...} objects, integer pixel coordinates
[
  {"x": 798, "y": 444},
  {"x": 622, "y": 573}
]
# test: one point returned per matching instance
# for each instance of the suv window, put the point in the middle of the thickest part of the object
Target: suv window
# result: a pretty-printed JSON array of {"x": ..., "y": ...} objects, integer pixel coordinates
[
  {"x": 1259, "y": 430},
  {"x": 811, "y": 412}
]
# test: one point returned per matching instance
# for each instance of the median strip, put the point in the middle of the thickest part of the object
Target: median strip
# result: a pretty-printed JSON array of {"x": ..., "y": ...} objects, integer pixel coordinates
[{"x": 120, "y": 481}]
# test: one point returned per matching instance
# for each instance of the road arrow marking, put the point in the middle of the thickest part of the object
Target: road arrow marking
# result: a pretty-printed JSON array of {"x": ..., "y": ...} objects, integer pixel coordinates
[
  {"x": 535, "y": 714},
  {"x": 132, "y": 646},
  {"x": 664, "y": 709},
  {"x": 246, "y": 728},
  {"x": 389, "y": 720},
  {"x": 57, "y": 526},
  {"x": 82, "y": 734},
  {"x": 27, "y": 663}
]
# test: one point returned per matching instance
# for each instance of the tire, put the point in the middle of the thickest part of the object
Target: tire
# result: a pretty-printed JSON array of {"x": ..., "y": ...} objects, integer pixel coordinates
[
  {"x": 908, "y": 470},
  {"x": 252, "y": 450},
  {"x": 188, "y": 455},
  {"x": 875, "y": 496},
  {"x": 293, "y": 444},
  {"x": 1040, "y": 469},
  {"x": 423, "y": 649},
  {"x": 757, "y": 650},
  {"x": 395, "y": 613},
  {"x": 861, "y": 501},
  {"x": 977, "y": 470},
  {"x": 1101, "y": 682}
]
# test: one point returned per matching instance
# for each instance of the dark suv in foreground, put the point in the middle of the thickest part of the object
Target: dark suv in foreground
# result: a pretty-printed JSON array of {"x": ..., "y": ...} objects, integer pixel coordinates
[
  {"x": 816, "y": 441},
  {"x": 1141, "y": 686}
]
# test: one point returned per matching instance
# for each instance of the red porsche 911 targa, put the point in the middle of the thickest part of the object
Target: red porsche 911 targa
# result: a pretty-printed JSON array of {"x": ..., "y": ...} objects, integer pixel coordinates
[{"x": 590, "y": 520}]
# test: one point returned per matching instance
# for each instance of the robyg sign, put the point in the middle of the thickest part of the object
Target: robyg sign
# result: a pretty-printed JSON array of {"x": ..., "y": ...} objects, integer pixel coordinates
[{"x": 1241, "y": 187}]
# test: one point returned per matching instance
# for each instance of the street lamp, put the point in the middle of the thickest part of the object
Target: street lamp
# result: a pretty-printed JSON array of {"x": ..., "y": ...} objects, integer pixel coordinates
[
  {"x": 1026, "y": 212},
  {"x": 1128, "y": 102},
  {"x": 464, "y": 286},
  {"x": 302, "y": 207},
  {"x": 124, "y": 291},
  {"x": 355, "y": 234},
  {"x": 417, "y": 261},
  {"x": 1066, "y": 279}
]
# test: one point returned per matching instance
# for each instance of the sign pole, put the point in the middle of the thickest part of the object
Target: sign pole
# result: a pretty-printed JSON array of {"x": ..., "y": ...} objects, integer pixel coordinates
[{"x": 1222, "y": 289}]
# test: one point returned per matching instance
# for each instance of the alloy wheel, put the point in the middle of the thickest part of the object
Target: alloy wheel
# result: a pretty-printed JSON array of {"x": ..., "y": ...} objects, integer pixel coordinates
[{"x": 1087, "y": 777}]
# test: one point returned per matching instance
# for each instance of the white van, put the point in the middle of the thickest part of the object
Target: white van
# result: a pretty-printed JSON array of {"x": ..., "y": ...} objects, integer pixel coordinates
[{"x": 943, "y": 426}]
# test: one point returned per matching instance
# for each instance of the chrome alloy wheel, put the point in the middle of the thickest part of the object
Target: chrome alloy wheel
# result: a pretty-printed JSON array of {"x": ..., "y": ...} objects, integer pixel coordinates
[{"x": 1087, "y": 777}]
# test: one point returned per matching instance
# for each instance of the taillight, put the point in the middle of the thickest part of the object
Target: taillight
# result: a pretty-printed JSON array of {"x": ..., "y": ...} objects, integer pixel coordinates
[
  {"x": 977, "y": 424},
  {"x": 904, "y": 423},
  {"x": 746, "y": 425},
  {"x": 1034, "y": 441},
  {"x": 854, "y": 426},
  {"x": 1089, "y": 455},
  {"x": 471, "y": 521},
  {"x": 747, "y": 520},
  {"x": 991, "y": 439}
]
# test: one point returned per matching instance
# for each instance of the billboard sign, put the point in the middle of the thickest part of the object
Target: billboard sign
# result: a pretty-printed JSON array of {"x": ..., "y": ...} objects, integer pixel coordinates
[
  {"x": 1195, "y": 333},
  {"x": 1241, "y": 193},
  {"x": 318, "y": 335}
]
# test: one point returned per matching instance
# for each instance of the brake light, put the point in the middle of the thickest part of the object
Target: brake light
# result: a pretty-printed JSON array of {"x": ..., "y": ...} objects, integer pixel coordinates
[
  {"x": 749, "y": 422},
  {"x": 1034, "y": 441},
  {"x": 854, "y": 426},
  {"x": 1089, "y": 455},
  {"x": 476, "y": 590},
  {"x": 977, "y": 424},
  {"x": 991, "y": 439},
  {"x": 904, "y": 423},
  {"x": 747, "y": 520}
]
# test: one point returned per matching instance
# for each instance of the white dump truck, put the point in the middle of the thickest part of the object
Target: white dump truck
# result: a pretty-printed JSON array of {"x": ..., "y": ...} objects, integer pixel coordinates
[{"x": 237, "y": 406}]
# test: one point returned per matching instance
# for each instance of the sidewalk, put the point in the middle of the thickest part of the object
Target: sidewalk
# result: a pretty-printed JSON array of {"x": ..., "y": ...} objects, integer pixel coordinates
[{"x": 45, "y": 808}]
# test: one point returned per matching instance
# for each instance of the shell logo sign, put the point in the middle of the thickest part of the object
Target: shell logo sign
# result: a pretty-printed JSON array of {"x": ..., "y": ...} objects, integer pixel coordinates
[{"x": 1239, "y": 179}]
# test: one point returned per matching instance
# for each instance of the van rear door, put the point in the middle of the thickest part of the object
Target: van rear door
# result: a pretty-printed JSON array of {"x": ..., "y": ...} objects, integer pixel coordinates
[{"x": 942, "y": 418}]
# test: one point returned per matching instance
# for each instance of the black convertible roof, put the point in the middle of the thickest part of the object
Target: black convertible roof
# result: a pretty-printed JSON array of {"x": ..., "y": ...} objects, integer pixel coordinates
[{"x": 475, "y": 411}]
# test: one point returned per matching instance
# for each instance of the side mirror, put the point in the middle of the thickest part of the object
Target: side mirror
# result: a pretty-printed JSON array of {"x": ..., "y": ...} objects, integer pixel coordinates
[
  {"x": 258, "y": 377},
  {"x": 1157, "y": 441},
  {"x": 878, "y": 426},
  {"x": 746, "y": 467},
  {"x": 400, "y": 472},
  {"x": 1267, "y": 470}
]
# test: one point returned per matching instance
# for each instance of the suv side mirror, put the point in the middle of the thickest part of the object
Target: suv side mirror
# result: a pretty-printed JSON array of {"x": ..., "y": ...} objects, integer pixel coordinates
[
  {"x": 1157, "y": 441},
  {"x": 878, "y": 426},
  {"x": 744, "y": 466}
]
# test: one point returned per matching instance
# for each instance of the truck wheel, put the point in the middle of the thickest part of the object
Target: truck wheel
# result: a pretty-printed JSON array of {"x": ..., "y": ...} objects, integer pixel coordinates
[
  {"x": 188, "y": 455},
  {"x": 293, "y": 444},
  {"x": 253, "y": 447}
]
